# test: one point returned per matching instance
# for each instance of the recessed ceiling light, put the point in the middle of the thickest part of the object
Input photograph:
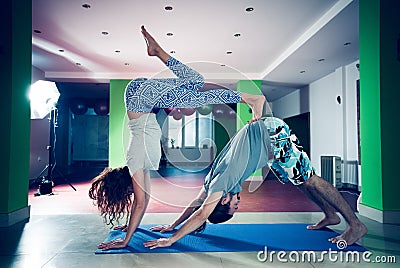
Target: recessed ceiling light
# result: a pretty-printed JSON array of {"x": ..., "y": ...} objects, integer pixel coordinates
[
  {"x": 104, "y": 33},
  {"x": 302, "y": 72},
  {"x": 172, "y": 52},
  {"x": 170, "y": 34},
  {"x": 117, "y": 51},
  {"x": 347, "y": 43},
  {"x": 87, "y": 6},
  {"x": 236, "y": 35},
  {"x": 37, "y": 31},
  {"x": 61, "y": 50},
  {"x": 229, "y": 52},
  {"x": 78, "y": 63},
  {"x": 321, "y": 60},
  {"x": 249, "y": 9},
  {"x": 168, "y": 8}
]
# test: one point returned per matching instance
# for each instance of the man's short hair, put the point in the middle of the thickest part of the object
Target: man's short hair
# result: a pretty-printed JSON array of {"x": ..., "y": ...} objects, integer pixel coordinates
[{"x": 220, "y": 213}]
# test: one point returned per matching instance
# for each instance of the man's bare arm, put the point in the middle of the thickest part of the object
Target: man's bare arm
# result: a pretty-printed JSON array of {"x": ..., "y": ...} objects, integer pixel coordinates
[
  {"x": 191, "y": 224},
  {"x": 198, "y": 201}
]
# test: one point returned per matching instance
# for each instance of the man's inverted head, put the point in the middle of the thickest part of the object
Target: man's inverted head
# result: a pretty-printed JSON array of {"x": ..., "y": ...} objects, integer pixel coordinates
[{"x": 225, "y": 208}]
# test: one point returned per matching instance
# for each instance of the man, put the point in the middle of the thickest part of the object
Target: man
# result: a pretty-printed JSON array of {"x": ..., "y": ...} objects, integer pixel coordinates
[{"x": 267, "y": 141}]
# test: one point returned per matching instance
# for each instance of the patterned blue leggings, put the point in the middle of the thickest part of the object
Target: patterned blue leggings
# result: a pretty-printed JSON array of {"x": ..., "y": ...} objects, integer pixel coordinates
[{"x": 142, "y": 95}]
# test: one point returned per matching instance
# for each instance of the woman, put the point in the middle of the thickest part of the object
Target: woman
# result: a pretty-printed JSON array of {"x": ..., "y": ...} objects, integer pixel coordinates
[{"x": 112, "y": 189}]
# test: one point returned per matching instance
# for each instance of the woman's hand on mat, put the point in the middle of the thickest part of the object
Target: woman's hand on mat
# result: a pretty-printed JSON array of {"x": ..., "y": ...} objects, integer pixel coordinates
[
  {"x": 162, "y": 228},
  {"x": 123, "y": 228},
  {"x": 117, "y": 243},
  {"x": 159, "y": 243}
]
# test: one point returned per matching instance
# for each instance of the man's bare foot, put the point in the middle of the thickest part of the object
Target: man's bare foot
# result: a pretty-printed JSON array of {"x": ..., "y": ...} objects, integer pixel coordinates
[
  {"x": 332, "y": 220},
  {"x": 351, "y": 235}
]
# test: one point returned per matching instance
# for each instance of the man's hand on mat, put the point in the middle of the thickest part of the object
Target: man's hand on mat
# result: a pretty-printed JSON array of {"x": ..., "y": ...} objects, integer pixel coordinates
[
  {"x": 159, "y": 243},
  {"x": 162, "y": 228},
  {"x": 123, "y": 228},
  {"x": 117, "y": 243}
]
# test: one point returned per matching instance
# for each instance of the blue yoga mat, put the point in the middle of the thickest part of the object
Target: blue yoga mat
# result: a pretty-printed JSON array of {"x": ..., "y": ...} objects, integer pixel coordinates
[{"x": 234, "y": 238}]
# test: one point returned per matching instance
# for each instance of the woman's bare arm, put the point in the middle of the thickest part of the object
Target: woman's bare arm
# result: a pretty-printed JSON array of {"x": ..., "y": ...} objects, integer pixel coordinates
[{"x": 141, "y": 192}]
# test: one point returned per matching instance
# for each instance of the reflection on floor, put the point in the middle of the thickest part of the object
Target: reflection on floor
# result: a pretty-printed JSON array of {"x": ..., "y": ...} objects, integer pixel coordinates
[
  {"x": 64, "y": 229},
  {"x": 172, "y": 189}
]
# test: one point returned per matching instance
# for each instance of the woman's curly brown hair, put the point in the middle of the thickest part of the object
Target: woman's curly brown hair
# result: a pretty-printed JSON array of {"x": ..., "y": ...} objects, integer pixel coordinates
[{"x": 111, "y": 192}]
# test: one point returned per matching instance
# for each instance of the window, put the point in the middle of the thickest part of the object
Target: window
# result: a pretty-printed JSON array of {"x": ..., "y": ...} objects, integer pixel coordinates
[
  {"x": 189, "y": 131},
  {"x": 195, "y": 130}
]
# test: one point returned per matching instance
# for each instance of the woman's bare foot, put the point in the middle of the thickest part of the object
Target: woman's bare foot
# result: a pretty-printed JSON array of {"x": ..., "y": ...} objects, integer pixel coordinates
[
  {"x": 331, "y": 220},
  {"x": 352, "y": 234},
  {"x": 256, "y": 103},
  {"x": 153, "y": 48}
]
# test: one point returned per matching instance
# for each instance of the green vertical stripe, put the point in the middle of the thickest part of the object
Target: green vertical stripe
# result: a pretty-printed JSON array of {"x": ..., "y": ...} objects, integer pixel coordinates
[
  {"x": 117, "y": 124},
  {"x": 379, "y": 96},
  {"x": 390, "y": 96},
  {"x": 15, "y": 62},
  {"x": 243, "y": 110},
  {"x": 370, "y": 124}
]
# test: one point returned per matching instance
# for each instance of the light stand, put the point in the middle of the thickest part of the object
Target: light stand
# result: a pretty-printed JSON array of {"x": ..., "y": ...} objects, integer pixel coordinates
[
  {"x": 43, "y": 98},
  {"x": 51, "y": 166}
]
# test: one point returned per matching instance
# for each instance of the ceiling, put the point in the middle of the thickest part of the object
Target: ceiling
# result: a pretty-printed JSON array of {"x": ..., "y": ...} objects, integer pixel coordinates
[{"x": 286, "y": 43}]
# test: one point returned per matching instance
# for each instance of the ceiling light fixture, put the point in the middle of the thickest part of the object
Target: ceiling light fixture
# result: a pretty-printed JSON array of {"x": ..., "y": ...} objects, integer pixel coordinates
[
  {"x": 87, "y": 6},
  {"x": 249, "y": 9},
  {"x": 168, "y": 8}
]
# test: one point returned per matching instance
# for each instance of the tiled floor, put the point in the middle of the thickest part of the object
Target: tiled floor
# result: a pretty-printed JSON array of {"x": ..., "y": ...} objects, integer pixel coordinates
[
  {"x": 59, "y": 234},
  {"x": 70, "y": 241}
]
